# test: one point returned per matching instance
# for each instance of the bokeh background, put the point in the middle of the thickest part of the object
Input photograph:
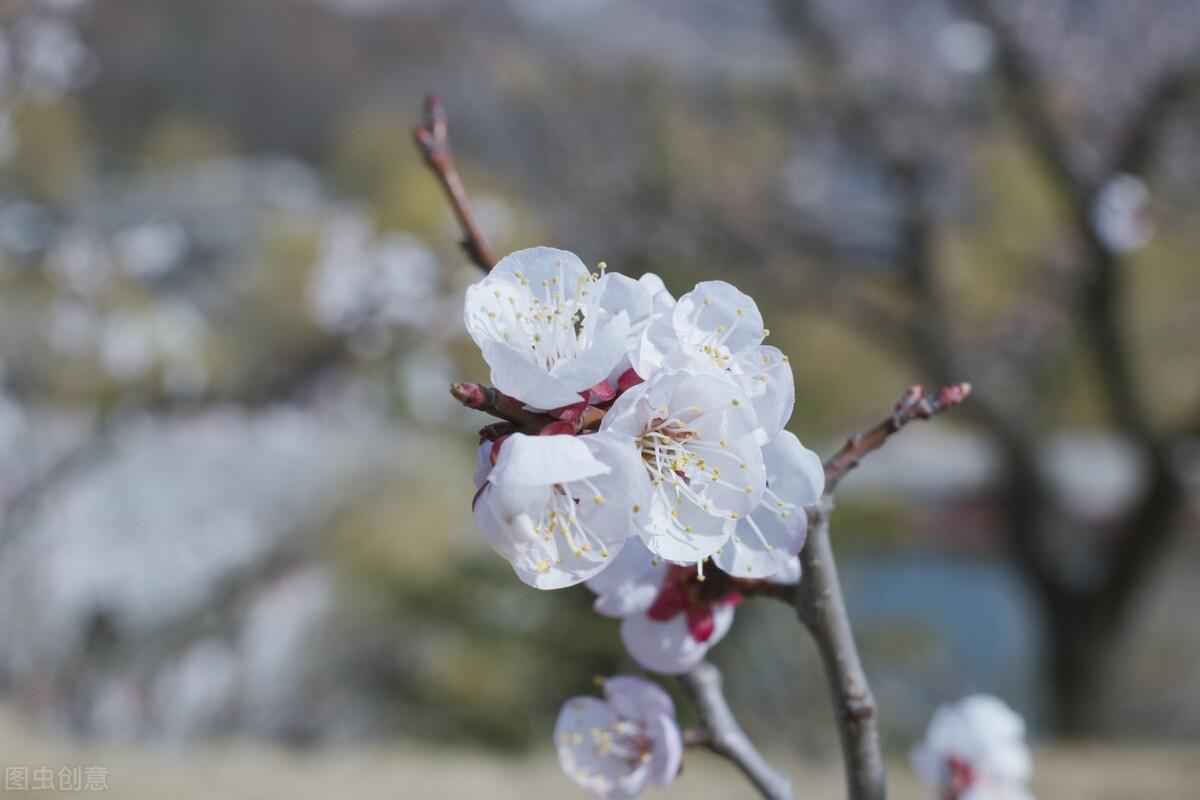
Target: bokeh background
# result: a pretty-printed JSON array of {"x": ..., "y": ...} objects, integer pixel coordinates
[{"x": 236, "y": 552}]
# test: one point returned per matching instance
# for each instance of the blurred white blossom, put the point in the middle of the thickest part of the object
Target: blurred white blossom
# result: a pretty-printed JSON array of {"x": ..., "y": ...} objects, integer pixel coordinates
[
  {"x": 361, "y": 279},
  {"x": 1121, "y": 214},
  {"x": 150, "y": 249},
  {"x": 975, "y": 750},
  {"x": 966, "y": 46},
  {"x": 617, "y": 746}
]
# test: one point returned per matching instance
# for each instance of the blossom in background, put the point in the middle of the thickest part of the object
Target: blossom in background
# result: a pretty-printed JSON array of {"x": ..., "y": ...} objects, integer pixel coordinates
[
  {"x": 559, "y": 508},
  {"x": 549, "y": 329},
  {"x": 361, "y": 280},
  {"x": 614, "y": 747},
  {"x": 1121, "y": 214},
  {"x": 975, "y": 750}
]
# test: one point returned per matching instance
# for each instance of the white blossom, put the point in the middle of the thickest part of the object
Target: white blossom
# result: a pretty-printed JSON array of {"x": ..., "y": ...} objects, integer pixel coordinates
[
  {"x": 559, "y": 508},
  {"x": 150, "y": 249},
  {"x": 717, "y": 327},
  {"x": 975, "y": 750},
  {"x": 616, "y": 746},
  {"x": 666, "y": 625},
  {"x": 549, "y": 329},
  {"x": 698, "y": 437}
]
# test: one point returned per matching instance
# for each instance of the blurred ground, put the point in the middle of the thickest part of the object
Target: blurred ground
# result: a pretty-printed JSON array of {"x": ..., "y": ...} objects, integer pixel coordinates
[{"x": 239, "y": 769}]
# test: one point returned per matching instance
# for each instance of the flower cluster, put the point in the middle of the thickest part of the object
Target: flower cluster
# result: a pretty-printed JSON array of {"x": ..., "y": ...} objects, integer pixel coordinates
[
  {"x": 654, "y": 418},
  {"x": 975, "y": 750},
  {"x": 645, "y": 437},
  {"x": 614, "y": 747}
]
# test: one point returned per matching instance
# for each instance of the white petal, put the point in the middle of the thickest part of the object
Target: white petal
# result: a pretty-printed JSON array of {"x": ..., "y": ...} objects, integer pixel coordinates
[
  {"x": 630, "y": 412},
  {"x": 717, "y": 310},
  {"x": 789, "y": 574},
  {"x": 794, "y": 472},
  {"x": 606, "y": 503},
  {"x": 545, "y": 460},
  {"x": 508, "y": 517},
  {"x": 668, "y": 647},
  {"x": 515, "y": 373},
  {"x": 537, "y": 264},
  {"x": 667, "y": 755},
  {"x": 631, "y": 584},
  {"x": 618, "y": 293},
  {"x": 657, "y": 341},
  {"x": 573, "y": 570},
  {"x": 763, "y": 543},
  {"x": 927, "y": 764},
  {"x": 605, "y": 349},
  {"x": 766, "y": 379},
  {"x": 666, "y": 533},
  {"x": 607, "y": 775},
  {"x": 638, "y": 699},
  {"x": 654, "y": 285}
]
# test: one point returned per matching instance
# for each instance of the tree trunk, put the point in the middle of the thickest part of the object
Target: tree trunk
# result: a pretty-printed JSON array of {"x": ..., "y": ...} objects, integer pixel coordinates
[{"x": 1080, "y": 651}]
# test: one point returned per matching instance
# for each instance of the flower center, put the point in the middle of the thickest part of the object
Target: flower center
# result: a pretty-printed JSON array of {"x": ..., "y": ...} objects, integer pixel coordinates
[
  {"x": 550, "y": 320},
  {"x": 683, "y": 467},
  {"x": 624, "y": 739},
  {"x": 560, "y": 518},
  {"x": 682, "y": 593}
]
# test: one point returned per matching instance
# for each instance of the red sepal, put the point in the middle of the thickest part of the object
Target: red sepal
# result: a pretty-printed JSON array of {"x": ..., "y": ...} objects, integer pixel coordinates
[
  {"x": 701, "y": 622},
  {"x": 559, "y": 427},
  {"x": 628, "y": 379}
]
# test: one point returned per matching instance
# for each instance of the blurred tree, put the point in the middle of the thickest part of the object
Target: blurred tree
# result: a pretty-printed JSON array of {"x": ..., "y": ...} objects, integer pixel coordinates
[{"x": 1050, "y": 286}]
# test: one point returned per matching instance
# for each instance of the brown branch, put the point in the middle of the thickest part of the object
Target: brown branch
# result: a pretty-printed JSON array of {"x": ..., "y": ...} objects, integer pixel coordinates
[
  {"x": 820, "y": 606},
  {"x": 433, "y": 138},
  {"x": 915, "y": 404},
  {"x": 725, "y": 736}
]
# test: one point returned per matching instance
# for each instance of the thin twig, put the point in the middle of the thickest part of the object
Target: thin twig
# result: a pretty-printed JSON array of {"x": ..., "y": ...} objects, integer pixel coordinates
[
  {"x": 820, "y": 606},
  {"x": 433, "y": 138},
  {"x": 492, "y": 401},
  {"x": 726, "y": 737},
  {"x": 915, "y": 404}
]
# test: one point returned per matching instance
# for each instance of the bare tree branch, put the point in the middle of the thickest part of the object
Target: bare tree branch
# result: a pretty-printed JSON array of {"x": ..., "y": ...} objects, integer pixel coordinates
[
  {"x": 433, "y": 138},
  {"x": 726, "y": 737},
  {"x": 1030, "y": 103},
  {"x": 915, "y": 404},
  {"x": 1136, "y": 143},
  {"x": 820, "y": 606}
]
